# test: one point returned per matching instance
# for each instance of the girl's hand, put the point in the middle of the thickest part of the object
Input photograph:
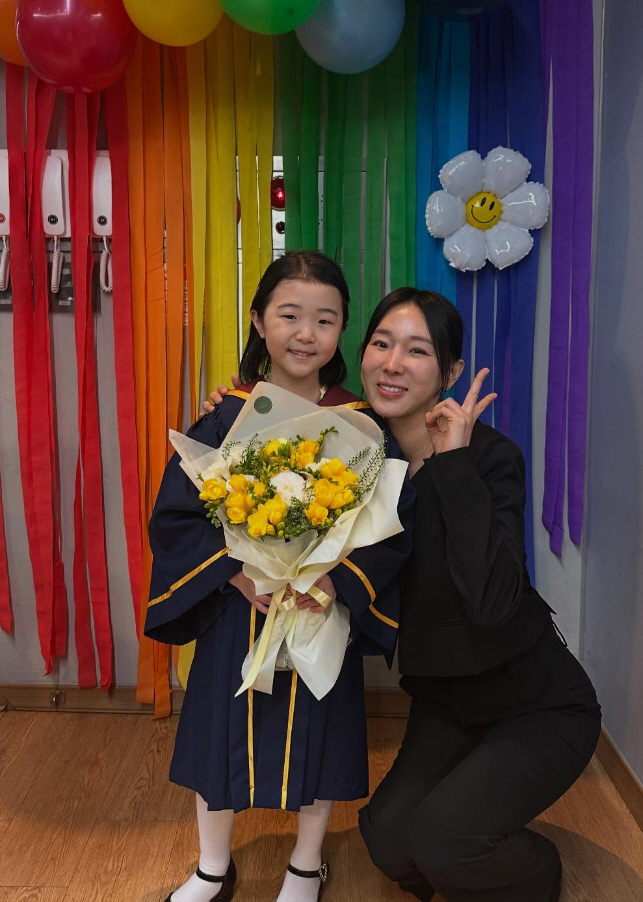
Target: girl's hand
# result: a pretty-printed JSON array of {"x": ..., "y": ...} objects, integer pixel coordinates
[
  {"x": 217, "y": 396},
  {"x": 450, "y": 425},
  {"x": 307, "y": 603},
  {"x": 246, "y": 586}
]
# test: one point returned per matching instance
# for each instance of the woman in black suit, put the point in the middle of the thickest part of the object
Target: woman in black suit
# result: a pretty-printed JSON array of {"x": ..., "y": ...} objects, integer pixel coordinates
[{"x": 503, "y": 718}]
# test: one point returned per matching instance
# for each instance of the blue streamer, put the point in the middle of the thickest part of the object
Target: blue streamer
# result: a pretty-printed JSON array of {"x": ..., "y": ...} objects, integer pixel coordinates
[{"x": 442, "y": 132}]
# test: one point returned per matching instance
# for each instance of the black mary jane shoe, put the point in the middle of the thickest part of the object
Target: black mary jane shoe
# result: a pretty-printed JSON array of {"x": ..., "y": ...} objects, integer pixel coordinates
[
  {"x": 321, "y": 874},
  {"x": 228, "y": 881}
]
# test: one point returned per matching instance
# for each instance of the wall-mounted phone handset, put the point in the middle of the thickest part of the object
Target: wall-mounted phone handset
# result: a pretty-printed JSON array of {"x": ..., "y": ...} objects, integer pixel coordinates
[
  {"x": 102, "y": 216},
  {"x": 5, "y": 248},
  {"x": 54, "y": 209}
]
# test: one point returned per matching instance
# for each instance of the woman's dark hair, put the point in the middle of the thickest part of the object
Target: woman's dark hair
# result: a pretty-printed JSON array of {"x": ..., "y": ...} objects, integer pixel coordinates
[
  {"x": 306, "y": 266},
  {"x": 443, "y": 321}
]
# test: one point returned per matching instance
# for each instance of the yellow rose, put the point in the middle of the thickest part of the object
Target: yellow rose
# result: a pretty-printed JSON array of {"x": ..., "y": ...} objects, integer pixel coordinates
[
  {"x": 303, "y": 459},
  {"x": 237, "y": 514},
  {"x": 348, "y": 477},
  {"x": 275, "y": 510},
  {"x": 324, "y": 492},
  {"x": 258, "y": 489},
  {"x": 257, "y": 524},
  {"x": 316, "y": 514},
  {"x": 332, "y": 468},
  {"x": 341, "y": 499},
  {"x": 305, "y": 453},
  {"x": 271, "y": 449},
  {"x": 235, "y": 499},
  {"x": 238, "y": 483},
  {"x": 213, "y": 490}
]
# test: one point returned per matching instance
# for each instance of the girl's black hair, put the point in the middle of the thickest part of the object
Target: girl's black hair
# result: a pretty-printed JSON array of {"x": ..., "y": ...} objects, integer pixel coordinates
[
  {"x": 443, "y": 321},
  {"x": 306, "y": 266}
]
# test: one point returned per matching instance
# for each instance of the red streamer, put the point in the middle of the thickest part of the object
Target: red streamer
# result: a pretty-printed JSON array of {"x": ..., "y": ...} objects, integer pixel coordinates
[
  {"x": 32, "y": 359},
  {"x": 116, "y": 111},
  {"x": 90, "y": 558},
  {"x": 6, "y": 617}
]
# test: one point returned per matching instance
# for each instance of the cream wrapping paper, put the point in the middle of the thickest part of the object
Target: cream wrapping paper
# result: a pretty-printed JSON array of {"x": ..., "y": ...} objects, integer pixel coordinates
[{"x": 316, "y": 643}]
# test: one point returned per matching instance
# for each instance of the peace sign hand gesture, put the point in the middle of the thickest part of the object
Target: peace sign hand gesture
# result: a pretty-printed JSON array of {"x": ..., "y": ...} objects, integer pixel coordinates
[{"x": 450, "y": 425}]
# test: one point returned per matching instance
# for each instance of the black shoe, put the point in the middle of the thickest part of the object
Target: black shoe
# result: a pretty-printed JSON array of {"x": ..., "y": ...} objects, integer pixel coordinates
[
  {"x": 228, "y": 881},
  {"x": 321, "y": 874}
]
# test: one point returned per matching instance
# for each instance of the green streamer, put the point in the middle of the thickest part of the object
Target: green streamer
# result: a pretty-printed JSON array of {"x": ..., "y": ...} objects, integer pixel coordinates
[
  {"x": 333, "y": 164},
  {"x": 352, "y": 222},
  {"x": 309, "y": 152},
  {"x": 396, "y": 163},
  {"x": 290, "y": 128},
  {"x": 374, "y": 218}
]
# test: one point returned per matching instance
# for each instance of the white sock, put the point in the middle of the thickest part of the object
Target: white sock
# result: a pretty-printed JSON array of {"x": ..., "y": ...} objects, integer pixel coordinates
[
  {"x": 313, "y": 821},
  {"x": 215, "y": 829}
]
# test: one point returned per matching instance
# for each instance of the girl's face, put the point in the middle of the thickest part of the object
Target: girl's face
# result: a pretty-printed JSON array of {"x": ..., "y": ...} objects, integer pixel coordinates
[
  {"x": 301, "y": 325},
  {"x": 400, "y": 371}
]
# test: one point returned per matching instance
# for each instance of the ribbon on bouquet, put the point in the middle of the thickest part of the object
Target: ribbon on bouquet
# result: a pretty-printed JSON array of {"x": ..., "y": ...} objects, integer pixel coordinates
[{"x": 280, "y": 603}]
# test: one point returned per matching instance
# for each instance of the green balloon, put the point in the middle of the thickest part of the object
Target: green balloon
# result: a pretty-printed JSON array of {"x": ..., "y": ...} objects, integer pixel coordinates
[{"x": 270, "y": 16}]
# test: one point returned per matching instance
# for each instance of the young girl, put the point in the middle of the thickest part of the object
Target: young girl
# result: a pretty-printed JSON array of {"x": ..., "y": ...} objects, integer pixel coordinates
[{"x": 285, "y": 750}]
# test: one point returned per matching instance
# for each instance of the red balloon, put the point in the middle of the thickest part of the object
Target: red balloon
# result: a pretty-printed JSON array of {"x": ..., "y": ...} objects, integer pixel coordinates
[
  {"x": 277, "y": 193},
  {"x": 76, "y": 45}
]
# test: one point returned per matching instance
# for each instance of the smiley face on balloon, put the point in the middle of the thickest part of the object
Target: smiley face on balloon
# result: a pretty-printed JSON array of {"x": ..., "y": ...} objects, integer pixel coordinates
[
  {"x": 486, "y": 209},
  {"x": 483, "y": 210}
]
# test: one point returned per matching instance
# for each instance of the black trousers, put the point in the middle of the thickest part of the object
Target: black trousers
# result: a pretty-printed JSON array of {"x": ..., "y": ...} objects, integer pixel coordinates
[{"x": 483, "y": 756}]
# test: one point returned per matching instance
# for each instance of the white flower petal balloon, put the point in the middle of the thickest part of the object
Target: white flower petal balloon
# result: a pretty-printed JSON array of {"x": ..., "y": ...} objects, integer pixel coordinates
[{"x": 486, "y": 209}]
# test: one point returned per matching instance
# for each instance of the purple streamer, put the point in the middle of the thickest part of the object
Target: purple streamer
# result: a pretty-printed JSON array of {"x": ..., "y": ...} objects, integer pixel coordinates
[
  {"x": 581, "y": 274},
  {"x": 571, "y": 57},
  {"x": 564, "y": 164}
]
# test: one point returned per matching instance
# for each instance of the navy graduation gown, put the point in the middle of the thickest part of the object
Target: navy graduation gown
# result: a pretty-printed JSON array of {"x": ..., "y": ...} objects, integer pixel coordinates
[{"x": 274, "y": 751}]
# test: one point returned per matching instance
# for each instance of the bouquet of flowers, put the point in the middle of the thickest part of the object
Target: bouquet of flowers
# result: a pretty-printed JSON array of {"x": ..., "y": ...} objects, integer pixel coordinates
[
  {"x": 284, "y": 487},
  {"x": 293, "y": 507}
]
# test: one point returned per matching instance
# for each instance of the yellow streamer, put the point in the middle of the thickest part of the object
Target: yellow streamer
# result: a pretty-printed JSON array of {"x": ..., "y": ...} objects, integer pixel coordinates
[
  {"x": 246, "y": 127},
  {"x": 221, "y": 306},
  {"x": 277, "y": 603},
  {"x": 265, "y": 92},
  {"x": 196, "y": 87}
]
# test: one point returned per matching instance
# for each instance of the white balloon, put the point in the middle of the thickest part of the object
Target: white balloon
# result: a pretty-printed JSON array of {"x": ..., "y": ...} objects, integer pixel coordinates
[
  {"x": 507, "y": 244},
  {"x": 463, "y": 174},
  {"x": 465, "y": 249},
  {"x": 444, "y": 214},
  {"x": 527, "y": 206},
  {"x": 504, "y": 170}
]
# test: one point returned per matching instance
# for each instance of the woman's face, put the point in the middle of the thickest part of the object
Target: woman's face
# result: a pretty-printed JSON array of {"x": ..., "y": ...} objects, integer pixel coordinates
[{"x": 400, "y": 372}]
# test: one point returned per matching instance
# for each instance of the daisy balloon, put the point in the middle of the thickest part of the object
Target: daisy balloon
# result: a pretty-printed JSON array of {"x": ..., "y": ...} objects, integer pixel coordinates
[{"x": 486, "y": 209}]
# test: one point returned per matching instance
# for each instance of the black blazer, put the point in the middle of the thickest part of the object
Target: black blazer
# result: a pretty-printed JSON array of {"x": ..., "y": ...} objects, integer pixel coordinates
[{"x": 467, "y": 603}]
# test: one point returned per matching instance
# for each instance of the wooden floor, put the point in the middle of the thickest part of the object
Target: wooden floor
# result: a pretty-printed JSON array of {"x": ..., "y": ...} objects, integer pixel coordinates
[{"x": 87, "y": 813}]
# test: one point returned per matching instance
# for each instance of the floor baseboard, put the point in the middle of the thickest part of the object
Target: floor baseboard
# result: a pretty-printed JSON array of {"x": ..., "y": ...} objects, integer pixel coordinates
[
  {"x": 380, "y": 702},
  {"x": 621, "y": 775}
]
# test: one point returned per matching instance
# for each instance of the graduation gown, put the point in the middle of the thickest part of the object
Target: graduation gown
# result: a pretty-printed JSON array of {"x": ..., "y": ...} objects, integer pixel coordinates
[{"x": 272, "y": 751}]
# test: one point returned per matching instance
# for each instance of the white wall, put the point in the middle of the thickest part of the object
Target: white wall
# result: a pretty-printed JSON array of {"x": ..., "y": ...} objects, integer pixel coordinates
[{"x": 613, "y": 583}]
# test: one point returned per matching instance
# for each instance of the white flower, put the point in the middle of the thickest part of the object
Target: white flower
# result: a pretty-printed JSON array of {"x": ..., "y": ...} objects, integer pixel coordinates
[
  {"x": 289, "y": 485},
  {"x": 486, "y": 209},
  {"x": 218, "y": 470}
]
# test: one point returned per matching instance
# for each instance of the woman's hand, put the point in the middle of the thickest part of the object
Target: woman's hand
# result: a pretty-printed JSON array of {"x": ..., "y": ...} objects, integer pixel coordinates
[
  {"x": 306, "y": 602},
  {"x": 217, "y": 396},
  {"x": 450, "y": 425},
  {"x": 246, "y": 586}
]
